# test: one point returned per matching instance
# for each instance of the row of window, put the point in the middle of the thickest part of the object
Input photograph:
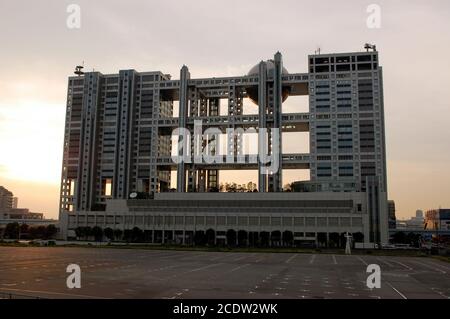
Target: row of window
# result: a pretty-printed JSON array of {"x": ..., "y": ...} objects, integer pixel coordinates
[{"x": 169, "y": 220}]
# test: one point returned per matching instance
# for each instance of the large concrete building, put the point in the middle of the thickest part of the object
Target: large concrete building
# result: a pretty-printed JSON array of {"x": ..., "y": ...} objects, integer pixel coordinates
[
  {"x": 118, "y": 140},
  {"x": 437, "y": 219},
  {"x": 6, "y": 200},
  {"x": 9, "y": 213}
]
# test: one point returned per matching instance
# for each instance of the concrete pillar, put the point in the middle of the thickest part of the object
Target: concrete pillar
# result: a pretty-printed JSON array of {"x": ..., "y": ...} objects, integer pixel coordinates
[
  {"x": 182, "y": 117},
  {"x": 277, "y": 118},
  {"x": 262, "y": 124}
]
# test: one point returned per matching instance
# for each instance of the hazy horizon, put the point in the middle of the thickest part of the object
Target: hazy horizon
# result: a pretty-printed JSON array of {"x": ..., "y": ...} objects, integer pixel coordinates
[{"x": 39, "y": 52}]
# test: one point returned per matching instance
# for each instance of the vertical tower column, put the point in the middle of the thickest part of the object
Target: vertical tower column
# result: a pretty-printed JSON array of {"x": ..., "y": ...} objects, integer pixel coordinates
[
  {"x": 212, "y": 175},
  {"x": 239, "y": 136},
  {"x": 262, "y": 124},
  {"x": 88, "y": 142},
  {"x": 154, "y": 178},
  {"x": 201, "y": 173},
  {"x": 195, "y": 146},
  {"x": 277, "y": 118},
  {"x": 182, "y": 115}
]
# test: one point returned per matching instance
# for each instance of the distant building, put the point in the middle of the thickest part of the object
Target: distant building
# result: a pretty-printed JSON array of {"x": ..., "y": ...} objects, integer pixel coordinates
[
  {"x": 391, "y": 215},
  {"x": 414, "y": 223},
  {"x": 15, "y": 202},
  {"x": 22, "y": 213},
  {"x": 9, "y": 212},
  {"x": 6, "y": 200},
  {"x": 437, "y": 219}
]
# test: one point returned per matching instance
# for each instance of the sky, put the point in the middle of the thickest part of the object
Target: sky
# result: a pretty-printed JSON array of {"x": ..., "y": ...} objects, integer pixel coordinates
[{"x": 38, "y": 51}]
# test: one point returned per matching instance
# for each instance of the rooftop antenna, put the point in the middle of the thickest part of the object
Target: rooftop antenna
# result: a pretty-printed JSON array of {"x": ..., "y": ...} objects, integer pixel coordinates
[
  {"x": 79, "y": 69},
  {"x": 369, "y": 46},
  {"x": 317, "y": 51}
]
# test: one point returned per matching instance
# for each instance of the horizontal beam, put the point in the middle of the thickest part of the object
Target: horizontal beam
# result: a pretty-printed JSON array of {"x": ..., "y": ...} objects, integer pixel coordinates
[
  {"x": 290, "y": 161},
  {"x": 292, "y": 122}
]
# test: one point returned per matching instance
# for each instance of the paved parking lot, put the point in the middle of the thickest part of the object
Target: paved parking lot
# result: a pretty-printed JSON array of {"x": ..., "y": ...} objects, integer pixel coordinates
[{"x": 134, "y": 273}]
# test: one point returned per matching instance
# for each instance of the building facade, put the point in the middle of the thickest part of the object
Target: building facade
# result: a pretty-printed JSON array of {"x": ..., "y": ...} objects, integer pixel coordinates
[
  {"x": 119, "y": 129},
  {"x": 6, "y": 200},
  {"x": 9, "y": 213},
  {"x": 391, "y": 215},
  {"x": 437, "y": 219}
]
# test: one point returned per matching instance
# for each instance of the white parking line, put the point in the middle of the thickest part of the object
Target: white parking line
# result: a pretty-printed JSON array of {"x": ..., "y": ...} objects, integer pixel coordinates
[
  {"x": 362, "y": 260},
  {"x": 239, "y": 258},
  {"x": 53, "y": 293},
  {"x": 205, "y": 267},
  {"x": 385, "y": 262},
  {"x": 312, "y": 259},
  {"x": 334, "y": 259},
  {"x": 239, "y": 267},
  {"x": 402, "y": 264},
  {"x": 215, "y": 258},
  {"x": 438, "y": 265},
  {"x": 402, "y": 295},
  {"x": 290, "y": 259},
  {"x": 431, "y": 267}
]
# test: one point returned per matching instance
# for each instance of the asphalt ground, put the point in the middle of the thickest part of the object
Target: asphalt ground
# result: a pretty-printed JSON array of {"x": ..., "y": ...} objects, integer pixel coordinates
[{"x": 137, "y": 273}]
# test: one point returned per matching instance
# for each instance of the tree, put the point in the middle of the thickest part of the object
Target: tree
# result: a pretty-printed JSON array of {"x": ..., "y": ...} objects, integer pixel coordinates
[
  {"x": 264, "y": 238},
  {"x": 210, "y": 237},
  {"x": 87, "y": 232},
  {"x": 24, "y": 228},
  {"x": 253, "y": 239},
  {"x": 288, "y": 238},
  {"x": 12, "y": 230},
  {"x": 343, "y": 239},
  {"x": 109, "y": 233},
  {"x": 358, "y": 237},
  {"x": 322, "y": 238},
  {"x": 118, "y": 234},
  {"x": 79, "y": 232},
  {"x": 231, "y": 237},
  {"x": 136, "y": 235},
  {"x": 399, "y": 237},
  {"x": 148, "y": 236},
  {"x": 128, "y": 235},
  {"x": 50, "y": 231},
  {"x": 275, "y": 237},
  {"x": 199, "y": 238},
  {"x": 40, "y": 230},
  {"x": 242, "y": 238},
  {"x": 413, "y": 239},
  {"x": 334, "y": 239},
  {"x": 33, "y": 233},
  {"x": 97, "y": 232}
]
